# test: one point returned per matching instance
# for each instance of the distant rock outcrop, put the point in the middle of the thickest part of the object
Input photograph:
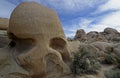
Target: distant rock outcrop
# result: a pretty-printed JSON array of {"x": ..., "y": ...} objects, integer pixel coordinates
[
  {"x": 3, "y": 32},
  {"x": 116, "y": 49},
  {"x": 111, "y": 35},
  {"x": 95, "y": 36},
  {"x": 80, "y": 35},
  {"x": 108, "y": 35},
  {"x": 4, "y": 40},
  {"x": 110, "y": 31},
  {"x": 4, "y": 23}
]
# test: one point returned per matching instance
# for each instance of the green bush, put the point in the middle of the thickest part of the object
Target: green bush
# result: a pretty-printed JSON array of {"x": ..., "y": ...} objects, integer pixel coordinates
[
  {"x": 118, "y": 62},
  {"x": 85, "y": 62},
  {"x": 110, "y": 59},
  {"x": 116, "y": 40},
  {"x": 112, "y": 74}
]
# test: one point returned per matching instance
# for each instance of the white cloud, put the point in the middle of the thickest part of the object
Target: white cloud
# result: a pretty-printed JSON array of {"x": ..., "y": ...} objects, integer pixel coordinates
[
  {"x": 111, "y": 20},
  {"x": 63, "y": 7},
  {"x": 70, "y": 6},
  {"x": 110, "y": 5},
  {"x": 82, "y": 24}
]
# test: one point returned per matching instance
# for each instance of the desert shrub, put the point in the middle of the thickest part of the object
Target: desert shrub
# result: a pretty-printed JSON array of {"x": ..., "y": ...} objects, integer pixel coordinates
[
  {"x": 110, "y": 59},
  {"x": 85, "y": 62},
  {"x": 116, "y": 40},
  {"x": 112, "y": 73},
  {"x": 70, "y": 39},
  {"x": 118, "y": 62}
]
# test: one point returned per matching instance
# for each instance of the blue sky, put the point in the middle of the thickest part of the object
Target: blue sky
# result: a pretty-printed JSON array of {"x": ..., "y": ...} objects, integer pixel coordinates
[{"x": 90, "y": 15}]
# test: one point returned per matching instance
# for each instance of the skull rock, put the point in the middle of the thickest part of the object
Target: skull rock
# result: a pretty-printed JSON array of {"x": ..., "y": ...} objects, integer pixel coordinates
[{"x": 36, "y": 33}]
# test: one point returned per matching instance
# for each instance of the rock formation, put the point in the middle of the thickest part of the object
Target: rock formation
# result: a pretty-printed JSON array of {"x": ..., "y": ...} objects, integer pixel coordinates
[
  {"x": 37, "y": 39},
  {"x": 111, "y": 35},
  {"x": 80, "y": 35},
  {"x": 108, "y": 35},
  {"x": 116, "y": 49},
  {"x": 95, "y": 36},
  {"x": 4, "y": 23},
  {"x": 3, "y": 32},
  {"x": 102, "y": 46},
  {"x": 3, "y": 39},
  {"x": 34, "y": 46}
]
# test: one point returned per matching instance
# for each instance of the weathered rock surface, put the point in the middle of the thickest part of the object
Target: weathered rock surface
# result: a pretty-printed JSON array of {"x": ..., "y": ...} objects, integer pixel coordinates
[
  {"x": 106, "y": 45},
  {"x": 80, "y": 35},
  {"x": 116, "y": 49},
  {"x": 39, "y": 46},
  {"x": 95, "y": 36},
  {"x": 108, "y": 35},
  {"x": 102, "y": 46},
  {"x": 4, "y": 23},
  {"x": 3, "y": 32},
  {"x": 4, "y": 40},
  {"x": 111, "y": 35}
]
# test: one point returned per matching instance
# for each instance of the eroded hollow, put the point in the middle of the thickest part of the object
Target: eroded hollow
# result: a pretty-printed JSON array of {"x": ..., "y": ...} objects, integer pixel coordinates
[
  {"x": 50, "y": 63},
  {"x": 59, "y": 44},
  {"x": 21, "y": 44},
  {"x": 12, "y": 44}
]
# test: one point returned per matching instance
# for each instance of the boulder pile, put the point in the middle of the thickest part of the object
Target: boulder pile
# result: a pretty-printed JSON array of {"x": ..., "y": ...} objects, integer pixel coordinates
[
  {"x": 108, "y": 35},
  {"x": 3, "y": 32}
]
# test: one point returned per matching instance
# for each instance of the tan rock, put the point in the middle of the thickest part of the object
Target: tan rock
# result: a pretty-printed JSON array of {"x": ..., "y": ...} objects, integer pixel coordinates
[
  {"x": 90, "y": 76},
  {"x": 111, "y": 34},
  {"x": 74, "y": 46},
  {"x": 9, "y": 67},
  {"x": 4, "y": 23},
  {"x": 108, "y": 35},
  {"x": 116, "y": 49},
  {"x": 3, "y": 32},
  {"x": 80, "y": 35},
  {"x": 4, "y": 40},
  {"x": 103, "y": 48},
  {"x": 110, "y": 31},
  {"x": 38, "y": 37},
  {"x": 94, "y": 36}
]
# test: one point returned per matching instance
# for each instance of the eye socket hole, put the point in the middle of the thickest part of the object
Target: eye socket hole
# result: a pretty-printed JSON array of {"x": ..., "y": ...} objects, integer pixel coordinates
[
  {"x": 12, "y": 44},
  {"x": 12, "y": 36},
  {"x": 57, "y": 43}
]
